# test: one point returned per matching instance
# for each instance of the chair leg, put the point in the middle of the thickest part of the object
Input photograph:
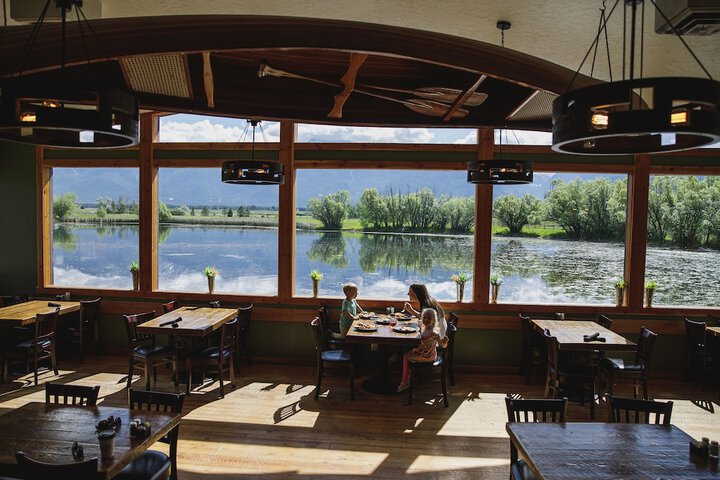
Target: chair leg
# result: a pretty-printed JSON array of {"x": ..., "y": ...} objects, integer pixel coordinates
[
  {"x": 645, "y": 389},
  {"x": 352, "y": 381},
  {"x": 148, "y": 367},
  {"x": 35, "y": 364},
  {"x": 188, "y": 382},
  {"x": 319, "y": 380},
  {"x": 53, "y": 360},
  {"x": 221, "y": 370},
  {"x": 175, "y": 372},
  {"x": 130, "y": 373},
  {"x": 82, "y": 360},
  {"x": 443, "y": 384},
  {"x": 232, "y": 372}
]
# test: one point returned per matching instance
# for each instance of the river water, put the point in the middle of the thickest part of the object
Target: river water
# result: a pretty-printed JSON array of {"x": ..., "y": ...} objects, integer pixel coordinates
[{"x": 383, "y": 265}]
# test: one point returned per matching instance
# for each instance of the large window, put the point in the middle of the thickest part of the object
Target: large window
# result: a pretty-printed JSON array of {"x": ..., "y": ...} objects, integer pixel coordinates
[
  {"x": 683, "y": 239},
  {"x": 384, "y": 230},
  {"x": 339, "y": 133},
  {"x": 201, "y": 128},
  {"x": 94, "y": 227},
  {"x": 206, "y": 223},
  {"x": 560, "y": 239}
]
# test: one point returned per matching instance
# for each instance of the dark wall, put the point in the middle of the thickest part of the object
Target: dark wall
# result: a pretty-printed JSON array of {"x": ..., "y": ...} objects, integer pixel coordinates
[{"x": 18, "y": 257}]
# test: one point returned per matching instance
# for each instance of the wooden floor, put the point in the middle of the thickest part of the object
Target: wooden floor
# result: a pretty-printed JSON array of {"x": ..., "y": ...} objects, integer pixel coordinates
[{"x": 270, "y": 426}]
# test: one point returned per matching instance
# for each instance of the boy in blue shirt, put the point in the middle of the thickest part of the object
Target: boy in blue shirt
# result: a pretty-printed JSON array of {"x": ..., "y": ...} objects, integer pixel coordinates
[{"x": 350, "y": 308}]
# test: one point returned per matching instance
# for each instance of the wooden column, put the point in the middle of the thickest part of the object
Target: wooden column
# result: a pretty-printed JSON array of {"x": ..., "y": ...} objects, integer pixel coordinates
[
  {"x": 43, "y": 177},
  {"x": 148, "y": 203},
  {"x": 286, "y": 214},
  {"x": 636, "y": 231},
  {"x": 483, "y": 222}
]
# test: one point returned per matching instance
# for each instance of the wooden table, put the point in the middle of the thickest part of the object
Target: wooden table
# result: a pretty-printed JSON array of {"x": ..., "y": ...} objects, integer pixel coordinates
[
  {"x": 569, "y": 334},
  {"x": 196, "y": 321},
  {"x": 384, "y": 334},
  {"x": 604, "y": 451},
  {"x": 24, "y": 313},
  {"x": 47, "y": 432},
  {"x": 714, "y": 331}
]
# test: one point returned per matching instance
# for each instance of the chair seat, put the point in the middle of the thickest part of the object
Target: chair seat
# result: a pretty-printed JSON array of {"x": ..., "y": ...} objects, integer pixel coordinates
[
  {"x": 214, "y": 352},
  {"x": 437, "y": 363},
  {"x": 151, "y": 465},
  {"x": 148, "y": 350},
  {"x": 520, "y": 471},
  {"x": 336, "y": 356},
  {"x": 28, "y": 344},
  {"x": 618, "y": 364}
]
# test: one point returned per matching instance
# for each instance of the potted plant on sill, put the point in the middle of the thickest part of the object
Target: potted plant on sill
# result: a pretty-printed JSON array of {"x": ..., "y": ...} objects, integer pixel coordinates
[
  {"x": 135, "y": 272},
  {"x": 315, "y": 276},
  {"x": 620, "y": 287},
  {"x": 650, "y": 287},
  {"x": 460, "y": 281},
  {"x": 210, "y": 273},
  {"x": 495, "y": 282}
]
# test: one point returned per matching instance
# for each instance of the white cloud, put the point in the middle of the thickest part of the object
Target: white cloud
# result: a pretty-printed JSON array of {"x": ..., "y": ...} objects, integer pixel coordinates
[
  {"x": 214, "y": 131},
  {"x": 337, "y": 133}
]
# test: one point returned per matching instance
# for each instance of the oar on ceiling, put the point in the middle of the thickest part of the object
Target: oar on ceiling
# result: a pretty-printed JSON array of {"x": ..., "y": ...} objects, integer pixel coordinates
[{"x": 348, "y": 80}]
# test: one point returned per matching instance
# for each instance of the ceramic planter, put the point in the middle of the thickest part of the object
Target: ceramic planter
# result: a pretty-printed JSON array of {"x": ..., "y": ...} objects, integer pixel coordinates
[{"x": 495, "y": 292}]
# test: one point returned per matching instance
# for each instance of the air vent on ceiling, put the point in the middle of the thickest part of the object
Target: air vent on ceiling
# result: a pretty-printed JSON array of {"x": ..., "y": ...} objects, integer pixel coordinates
[
  {"x": 158, "y": 74},
  {"x": 690, "y": 17},
  {"x": 538, "y": 106}
]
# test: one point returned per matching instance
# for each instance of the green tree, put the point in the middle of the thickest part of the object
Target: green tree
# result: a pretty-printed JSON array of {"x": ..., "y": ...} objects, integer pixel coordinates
[
  {"x": 205, "y": 211},
  {"x": 564, "y": 205},
  {"x": 164, "y": 214},
  {"x": 711, "y": 227},
  {"x": 420, "y": 208},
  {"x": 64, "y": 206},
  {"x": 331, "y": 209},
  {"x": 101, "y": 213},
  {"x": 230, "y": 212},
  {"x": 513, "y": 212},
  {"x": 192, "y": 211},
  {"x": 688, "y": 215},
  {"x": 460, "y": 212},
  {"x": 243, "y": 212},
  {"x": 372, "y": 210}
]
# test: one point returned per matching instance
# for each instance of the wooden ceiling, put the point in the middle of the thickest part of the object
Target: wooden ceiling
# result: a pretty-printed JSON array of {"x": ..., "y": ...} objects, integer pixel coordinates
[{"x": 384, "y": 88}]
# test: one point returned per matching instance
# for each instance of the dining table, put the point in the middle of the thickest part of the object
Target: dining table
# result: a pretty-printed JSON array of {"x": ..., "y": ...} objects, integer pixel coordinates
[
  {"x": 24, "y": 313},
  {"x": 387, "y": 331},
  {"x": 46, "y": 432},
  {"x": 607, "y": 451},
  {"x": 570, "y": 333}
]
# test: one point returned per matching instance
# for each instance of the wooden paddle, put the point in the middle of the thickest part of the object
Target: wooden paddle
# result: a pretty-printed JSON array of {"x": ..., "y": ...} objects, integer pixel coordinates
[
  {"x": 348, "y": 80},
  {"x": 439, "y": 94},
  {"x": 419, "y": 105}
]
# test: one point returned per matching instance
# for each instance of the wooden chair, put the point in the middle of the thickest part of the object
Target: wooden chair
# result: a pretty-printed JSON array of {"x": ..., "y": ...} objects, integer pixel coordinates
[
  {"x": 143, "y": 354},
  {"x": 41, "y": 346},
  {"x": 153, "y": 464},
  {"x": 87, "y": 328},
  {"x": 220, "y": 358},
  {"x": 7, "y": 300},
  {"x": 631, "y": 410},
  {"x": 243, "y": 334},
  {"x": 636, "y": 373},
  {"x": 604, "y": 321},
  {"x": 64, "y": 394},
  {"x": 696, "y": 353},
  {"x": 169, "y": 306},
  {"x": 440, "y": 363},
  {"x": 453, "y": 320},
  {"x": 531, "y": 410},
  {"x": 558, "y": 380},
  {"x": 30, "y": 469},
  {"x": 336, "y": 357},
  {"x": 327, "y": 328},
  {"x": 532, "y": 348}
]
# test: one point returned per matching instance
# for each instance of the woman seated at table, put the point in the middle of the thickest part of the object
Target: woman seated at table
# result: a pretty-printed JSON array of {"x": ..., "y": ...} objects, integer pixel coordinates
[{"x": 418, "y": 293}]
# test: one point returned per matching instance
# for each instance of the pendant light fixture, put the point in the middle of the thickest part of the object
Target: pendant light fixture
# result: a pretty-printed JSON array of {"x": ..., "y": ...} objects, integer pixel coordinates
[
  {"x": 65, "y": 113},
  {"x": 500, "y": 172},
  {"x": 253, "y": 172},
  {"x": 637, "y": 115}
]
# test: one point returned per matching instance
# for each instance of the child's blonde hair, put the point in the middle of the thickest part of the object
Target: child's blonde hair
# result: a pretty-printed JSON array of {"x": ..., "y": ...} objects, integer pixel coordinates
[
  {"x": 427, "y": 315},
  {"x": 348, "y": 287}
]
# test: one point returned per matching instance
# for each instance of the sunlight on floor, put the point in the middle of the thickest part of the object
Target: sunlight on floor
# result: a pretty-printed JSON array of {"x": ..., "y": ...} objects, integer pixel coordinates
[{"x": 429, "y": 463}]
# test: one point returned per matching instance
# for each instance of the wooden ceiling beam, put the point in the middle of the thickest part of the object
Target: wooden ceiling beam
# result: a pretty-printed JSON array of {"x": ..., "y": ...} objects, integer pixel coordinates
[{"x": 463, "y": 98}]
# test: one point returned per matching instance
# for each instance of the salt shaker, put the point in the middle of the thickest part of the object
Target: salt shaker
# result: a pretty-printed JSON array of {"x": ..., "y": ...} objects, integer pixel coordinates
[{"x": 714, "y": 450}]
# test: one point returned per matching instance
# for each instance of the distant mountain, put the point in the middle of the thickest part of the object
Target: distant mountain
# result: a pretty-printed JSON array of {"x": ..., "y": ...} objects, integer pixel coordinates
[{"x": 180, "y": 186}]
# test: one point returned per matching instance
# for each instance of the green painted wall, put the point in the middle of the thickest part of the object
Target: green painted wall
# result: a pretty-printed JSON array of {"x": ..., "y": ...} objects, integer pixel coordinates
[{"x": 18, "y": 205}]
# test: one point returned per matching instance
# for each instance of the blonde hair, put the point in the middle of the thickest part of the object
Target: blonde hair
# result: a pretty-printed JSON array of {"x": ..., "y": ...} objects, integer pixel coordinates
[
  {"x": 427, "y": 315},
  {"x": 348, "y": 287}
]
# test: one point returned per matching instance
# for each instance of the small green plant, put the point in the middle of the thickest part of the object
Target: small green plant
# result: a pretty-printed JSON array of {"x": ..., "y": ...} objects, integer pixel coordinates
[
  {"x": 210, "y": 272},
  {"x": 620, "y": 283},
  {"x": 134, "y": 266},
  {"x": 496, "y": 279},
  {"x": 651, "y": 285},
  {"x": 460, "y": 279},
  {"x": 315, "y": 275}
]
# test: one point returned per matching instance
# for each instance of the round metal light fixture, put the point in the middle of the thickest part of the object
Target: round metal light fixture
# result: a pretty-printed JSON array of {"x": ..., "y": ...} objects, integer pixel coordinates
[
  {"x": 252, "y": 172},
  {"x": 67, "y": 116},
  {"x": 500, "y": 172},
  {"x": 649, "y": 115}
]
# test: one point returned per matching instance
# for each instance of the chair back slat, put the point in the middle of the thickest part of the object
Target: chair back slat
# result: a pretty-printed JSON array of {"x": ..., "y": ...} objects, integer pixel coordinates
[
  {"x": 169, "y": 306},
  {"x": 156, "y": 401},
  {"x": 631, "y": 410},
  {"x": 63, "y": 394},
  {"x": 89, "y": 310},
  {"x": 45, "y": 324},
  {"x": 645, "y": 345},
  {"x": 317, "y": 334},
  {"x": 453, "y": 319},
  {"x": 604, "y": 321},
  {"x": 228, "y": 336},
  {"x": 695, "y": 334},
  {"x": 244, "y": 315},
  {"x": 536, "y": 410}
]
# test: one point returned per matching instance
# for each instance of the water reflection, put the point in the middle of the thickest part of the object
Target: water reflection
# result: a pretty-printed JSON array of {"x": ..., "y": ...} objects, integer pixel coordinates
[
  {"x": 329, "y": 249},
  {"x": 65, "y": 238}
]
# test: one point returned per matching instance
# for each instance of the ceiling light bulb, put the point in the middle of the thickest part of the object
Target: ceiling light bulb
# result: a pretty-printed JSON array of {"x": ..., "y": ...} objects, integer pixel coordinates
[
  {"x": 679, "y": 118},
  {"x": 599, "y": 120},
  {"x": 28, "y": 117}
]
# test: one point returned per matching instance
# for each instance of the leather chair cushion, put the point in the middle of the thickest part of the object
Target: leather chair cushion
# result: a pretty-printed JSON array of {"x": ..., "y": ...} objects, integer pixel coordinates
[
  {"x": 148, "y": 350},
  {"x": 336, "y": 356},
  {"x": 151, "y": 465}
]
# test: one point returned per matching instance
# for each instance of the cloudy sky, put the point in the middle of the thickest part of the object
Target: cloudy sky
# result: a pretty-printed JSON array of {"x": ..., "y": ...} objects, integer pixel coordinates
[{"x": 196, "y": 128}]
